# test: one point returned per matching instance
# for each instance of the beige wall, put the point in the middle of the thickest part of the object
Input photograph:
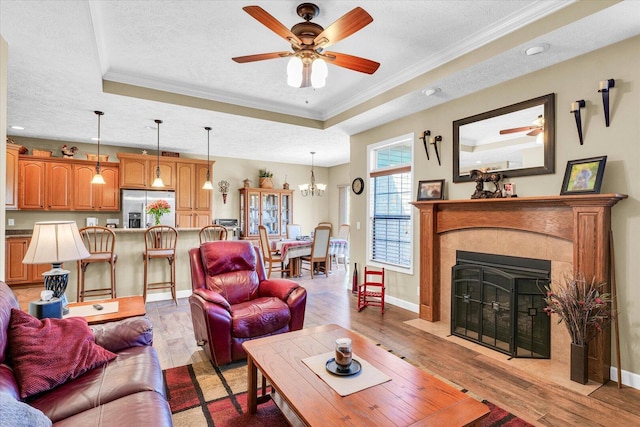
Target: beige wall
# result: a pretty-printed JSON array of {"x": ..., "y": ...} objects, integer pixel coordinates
[
  {"x": 3, "y": 136},
  {"x": 570, "y": 81}
]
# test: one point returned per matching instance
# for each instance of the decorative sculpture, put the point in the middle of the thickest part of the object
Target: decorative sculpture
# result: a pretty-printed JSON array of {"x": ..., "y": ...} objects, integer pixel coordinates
[{"x": 480, "y": 177}]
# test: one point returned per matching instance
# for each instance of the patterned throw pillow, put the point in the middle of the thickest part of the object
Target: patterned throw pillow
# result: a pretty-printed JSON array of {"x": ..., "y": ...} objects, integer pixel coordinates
[{"x": 48, "y": 353}]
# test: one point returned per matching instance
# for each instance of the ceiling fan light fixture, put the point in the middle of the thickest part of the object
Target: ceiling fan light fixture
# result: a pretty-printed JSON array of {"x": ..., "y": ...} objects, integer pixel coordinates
[
  {"x": 294, "y": 72},
  {"x": 319, "y": 73}
]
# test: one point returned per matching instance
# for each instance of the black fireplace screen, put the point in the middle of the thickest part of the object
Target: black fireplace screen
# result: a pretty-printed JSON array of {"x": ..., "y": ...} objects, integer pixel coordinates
[{"x": 498, "y": 301}]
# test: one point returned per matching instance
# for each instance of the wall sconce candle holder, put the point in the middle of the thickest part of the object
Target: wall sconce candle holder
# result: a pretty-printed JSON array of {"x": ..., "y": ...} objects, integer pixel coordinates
[
  {"x": 604, "y": 87},
  {"x": 425, "y": 141},
  {"x": 434, "y": 141},
  {"x": 575, "y": 109},
  {"x": 223, "y": 187}
]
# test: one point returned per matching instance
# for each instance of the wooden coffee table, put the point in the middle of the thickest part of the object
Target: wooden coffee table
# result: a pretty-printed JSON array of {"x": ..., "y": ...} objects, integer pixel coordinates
[
  {"x": 127, "y": 307},
  {"x": 412, "y": 397}
]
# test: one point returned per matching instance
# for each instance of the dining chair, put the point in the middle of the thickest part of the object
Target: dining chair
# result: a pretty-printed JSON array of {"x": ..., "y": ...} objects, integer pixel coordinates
[
  {"x": 327, "y": 224},
  {"x": 100, "y": 242},
  {"x": 293, "y": 231},
  {"x": 371, "y": 291},
  {"x": 160, "y": 243},
  {"x": 210, "y": 233},
  {"x": 270, "y": 257},
  {"x": 319, "y": 251},
  {"x": 343, "y": 233}
]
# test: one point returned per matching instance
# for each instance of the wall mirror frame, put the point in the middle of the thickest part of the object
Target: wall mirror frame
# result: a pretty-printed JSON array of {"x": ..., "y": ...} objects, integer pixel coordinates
[{"x": 518, "y": 151}]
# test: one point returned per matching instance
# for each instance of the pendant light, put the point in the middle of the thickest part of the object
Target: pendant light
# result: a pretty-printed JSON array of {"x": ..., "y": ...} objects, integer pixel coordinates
[
  {"x": 158, "y": 181},
  {"x": 207, "y": 184},
  {"x": 98, "y": 178}
]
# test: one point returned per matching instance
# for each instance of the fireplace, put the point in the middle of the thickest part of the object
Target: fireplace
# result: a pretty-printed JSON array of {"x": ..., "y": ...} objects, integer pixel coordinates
[
  {"x": 584, "y": 221},
  {"x": 498, "y": 301}
]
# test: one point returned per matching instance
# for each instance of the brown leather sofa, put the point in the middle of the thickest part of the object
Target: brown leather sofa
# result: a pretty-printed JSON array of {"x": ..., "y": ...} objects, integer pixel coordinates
[
  {"x": 233, "y": 301},
  {"x": 127, "y": 391}
]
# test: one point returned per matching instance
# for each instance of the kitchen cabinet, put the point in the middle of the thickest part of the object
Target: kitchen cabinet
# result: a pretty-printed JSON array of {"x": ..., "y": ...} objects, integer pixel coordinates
[
  {"x": 96, "y": 197},
  {"x": 44, "y": 184},
  {"x": 193, "y": 204},
  {"x": 13, "y": 153},
  {"x": 15, "y": 271},
  {"x": 139, "y": 171},
  {"x": 270, "y": 207}
]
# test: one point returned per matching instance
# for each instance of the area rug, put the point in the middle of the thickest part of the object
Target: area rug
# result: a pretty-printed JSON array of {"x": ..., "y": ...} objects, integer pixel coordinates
[{"x": 203, "y": 395}]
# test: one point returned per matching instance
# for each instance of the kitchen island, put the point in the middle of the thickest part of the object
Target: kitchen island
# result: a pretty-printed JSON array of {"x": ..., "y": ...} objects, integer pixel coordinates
[{"x": 130, "y": 266}]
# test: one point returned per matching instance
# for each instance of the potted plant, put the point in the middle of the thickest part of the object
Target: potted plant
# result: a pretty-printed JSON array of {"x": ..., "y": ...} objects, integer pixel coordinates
[
  {"x": 585, "y": 309},
  {"x": 266, "y": 178}
]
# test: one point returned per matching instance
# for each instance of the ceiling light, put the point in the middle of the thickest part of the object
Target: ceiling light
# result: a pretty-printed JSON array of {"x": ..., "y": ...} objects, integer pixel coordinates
[
  {"x": 534, "y": 50},
  {"x": 302, "y": 71},
  {"x": 430, "y": 91},
  {"x": 207, "y": 184},
  {"x": 98, "y": 178},
  {"x": 16, "y": 127},
  {"x": 312, "y": 188},
  {"x": 158, "y": 181}
]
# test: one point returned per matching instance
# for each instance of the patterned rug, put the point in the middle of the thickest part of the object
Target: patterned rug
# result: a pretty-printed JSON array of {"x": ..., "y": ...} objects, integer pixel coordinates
[{"x": 203, "y": 395}]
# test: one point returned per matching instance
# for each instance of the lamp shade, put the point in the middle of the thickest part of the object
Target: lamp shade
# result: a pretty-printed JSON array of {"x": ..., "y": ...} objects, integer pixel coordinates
[{"x": 55, "y": 242}]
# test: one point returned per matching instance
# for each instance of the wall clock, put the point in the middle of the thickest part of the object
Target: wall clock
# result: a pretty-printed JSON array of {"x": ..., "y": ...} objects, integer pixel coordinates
[{"x": 357, "y": 185}]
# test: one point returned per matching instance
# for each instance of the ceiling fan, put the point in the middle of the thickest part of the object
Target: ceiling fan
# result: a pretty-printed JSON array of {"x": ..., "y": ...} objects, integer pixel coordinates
[
  {"x": 308, "y": 41},
  {"x": 537, "y": 128}
]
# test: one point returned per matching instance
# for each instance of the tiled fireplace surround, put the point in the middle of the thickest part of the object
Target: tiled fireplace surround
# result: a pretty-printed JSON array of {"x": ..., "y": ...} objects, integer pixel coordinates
[{"x": 570, "y": 231}]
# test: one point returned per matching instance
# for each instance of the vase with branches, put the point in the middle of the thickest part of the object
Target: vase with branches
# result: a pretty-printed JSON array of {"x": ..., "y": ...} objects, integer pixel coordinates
[{"x": 584, "y": 307}]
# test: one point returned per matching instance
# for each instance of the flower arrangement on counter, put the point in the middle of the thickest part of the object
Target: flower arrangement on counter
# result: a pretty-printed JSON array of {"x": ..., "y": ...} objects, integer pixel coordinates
[
  {"x": 157, "y": 208},
  {"x": 582, "y": 305}
]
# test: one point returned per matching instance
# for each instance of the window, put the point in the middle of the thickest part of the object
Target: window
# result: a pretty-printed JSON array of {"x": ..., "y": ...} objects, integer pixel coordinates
[{"x": 390, "y": 214}]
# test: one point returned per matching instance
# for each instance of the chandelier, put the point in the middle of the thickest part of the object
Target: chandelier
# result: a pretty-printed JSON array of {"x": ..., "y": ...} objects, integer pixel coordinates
[{"x": 313, "y": 189}]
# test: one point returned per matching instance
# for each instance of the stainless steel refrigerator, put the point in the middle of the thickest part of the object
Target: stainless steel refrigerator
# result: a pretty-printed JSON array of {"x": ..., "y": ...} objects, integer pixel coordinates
[{"x": 134, "y": 208}]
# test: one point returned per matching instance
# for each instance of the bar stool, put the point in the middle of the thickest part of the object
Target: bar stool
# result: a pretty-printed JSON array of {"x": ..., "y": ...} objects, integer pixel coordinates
[
  {"x": 160, "y": 243},
  {"x": 100, "y": 242},
  {"x": 210, "y": 233}
]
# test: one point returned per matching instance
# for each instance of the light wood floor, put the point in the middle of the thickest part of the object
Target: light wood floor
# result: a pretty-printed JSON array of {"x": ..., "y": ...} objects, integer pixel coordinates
[{"x": 330, "y": 301}]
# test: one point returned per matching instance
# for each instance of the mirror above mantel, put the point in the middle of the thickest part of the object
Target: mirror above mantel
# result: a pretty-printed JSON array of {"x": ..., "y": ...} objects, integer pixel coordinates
[{"x": 518, "y": 140}]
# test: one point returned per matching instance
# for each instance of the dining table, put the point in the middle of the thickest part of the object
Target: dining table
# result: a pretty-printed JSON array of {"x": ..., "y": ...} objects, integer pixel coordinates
[{"x": 291, "y": 251}]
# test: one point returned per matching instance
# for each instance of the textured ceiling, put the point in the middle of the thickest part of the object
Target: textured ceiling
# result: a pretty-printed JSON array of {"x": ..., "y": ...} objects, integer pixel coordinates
[{"x": 127, "y": 58}]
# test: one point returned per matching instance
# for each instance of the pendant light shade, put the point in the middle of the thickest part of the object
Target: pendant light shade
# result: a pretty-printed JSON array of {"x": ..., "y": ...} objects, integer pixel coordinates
[
  {"x": 158, "y": 181},
  {"x": 98, "y": 178},
  {"x": 207, "y": 184}
]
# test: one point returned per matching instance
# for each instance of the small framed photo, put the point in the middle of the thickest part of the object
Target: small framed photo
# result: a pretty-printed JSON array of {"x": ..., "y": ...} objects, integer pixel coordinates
[
  {"x": 583, "y": 176},
  {"x": 431, "y": 190}
]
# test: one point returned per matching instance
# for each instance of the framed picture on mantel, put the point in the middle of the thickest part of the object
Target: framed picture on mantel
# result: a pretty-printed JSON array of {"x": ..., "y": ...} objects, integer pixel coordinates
[
  {"x": 431, "y": 190},
  {"x": 583, "y": 176}
]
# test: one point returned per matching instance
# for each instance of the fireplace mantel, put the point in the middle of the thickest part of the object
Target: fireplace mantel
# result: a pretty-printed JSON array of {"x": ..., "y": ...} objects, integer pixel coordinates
[{"x": 584, "y": 220}]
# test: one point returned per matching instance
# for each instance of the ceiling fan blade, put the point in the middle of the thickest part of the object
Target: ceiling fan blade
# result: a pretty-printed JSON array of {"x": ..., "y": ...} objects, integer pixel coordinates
[
  {"x": 271, "y": 23},
  {"x": 515, "y": 130},
  {"x": 261, "y": 57},
  {"x": 306, "y": 76},
  {"x": 351, "y": 62},
  {"x": 348, "y": 24},
  {"x": 535, "y": 132}
]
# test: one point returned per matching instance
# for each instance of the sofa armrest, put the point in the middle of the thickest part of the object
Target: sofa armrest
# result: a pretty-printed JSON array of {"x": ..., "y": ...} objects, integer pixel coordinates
[
  {"x": 280, "y": 288},
  {"x": 131, "y": 332},
  {"x": 213, "y": 297}
]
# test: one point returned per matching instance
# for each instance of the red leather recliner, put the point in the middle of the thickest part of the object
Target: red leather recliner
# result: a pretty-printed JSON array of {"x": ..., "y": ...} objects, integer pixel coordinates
[{"x": 233, "y": 301}]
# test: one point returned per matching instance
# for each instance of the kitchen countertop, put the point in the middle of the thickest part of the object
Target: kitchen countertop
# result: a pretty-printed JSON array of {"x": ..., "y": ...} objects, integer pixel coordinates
[{"x": 28, "y": 232}]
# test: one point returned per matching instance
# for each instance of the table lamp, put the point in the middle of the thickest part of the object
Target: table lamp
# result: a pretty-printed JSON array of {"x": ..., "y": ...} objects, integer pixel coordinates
[{"x": 56, "y": 242}]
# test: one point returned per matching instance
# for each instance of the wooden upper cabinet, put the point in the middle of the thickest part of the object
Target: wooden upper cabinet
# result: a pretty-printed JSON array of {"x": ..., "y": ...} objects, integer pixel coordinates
[
  {"x": 13, "y": 152},
  {"x": 133, "y": 172},
  {"x": 185, "y": 197},
  {"x": 202, "y": 197},
  {"x": 139, "y": 171},
  {"x": 89, "y": 197},
  {"x": 58, "y": 188},
  {"x": 31, "y": 184}
]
